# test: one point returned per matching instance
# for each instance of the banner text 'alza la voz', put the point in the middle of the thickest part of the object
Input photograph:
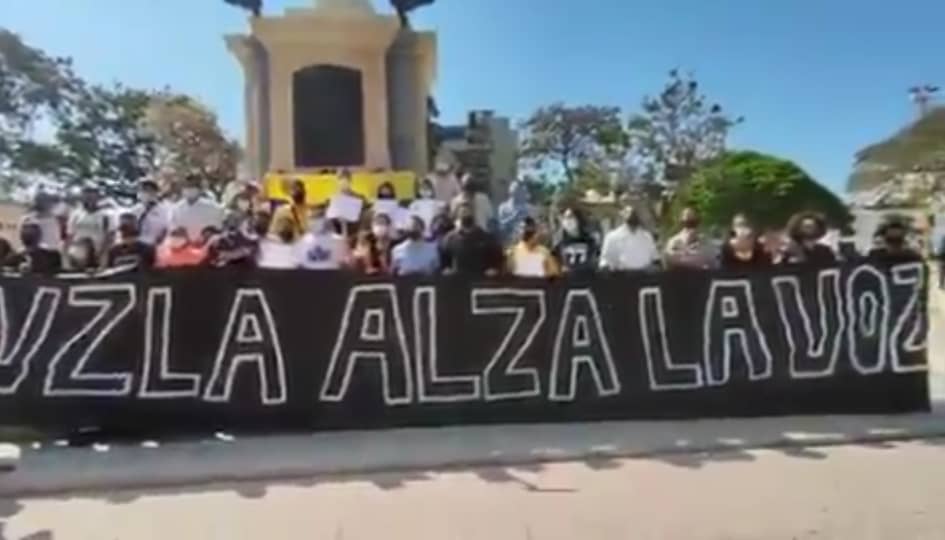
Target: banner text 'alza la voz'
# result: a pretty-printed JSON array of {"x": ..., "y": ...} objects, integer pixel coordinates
[{"x": 280, "y": 350}]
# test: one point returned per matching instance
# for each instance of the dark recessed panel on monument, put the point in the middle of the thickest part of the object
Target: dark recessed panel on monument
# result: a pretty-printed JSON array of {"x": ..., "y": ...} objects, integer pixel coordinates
[{"x": 329, "y": 120}]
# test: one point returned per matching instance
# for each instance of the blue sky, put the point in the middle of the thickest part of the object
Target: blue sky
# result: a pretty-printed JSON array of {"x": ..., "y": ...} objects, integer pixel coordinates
[{"x": 816, "y": 79}]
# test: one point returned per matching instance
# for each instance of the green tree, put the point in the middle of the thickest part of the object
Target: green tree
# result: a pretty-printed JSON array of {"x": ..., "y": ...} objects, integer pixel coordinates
[
  {"x": 101, "y": 142},
  {"x": 562, "y": 140},
  {"x": 33, "y": 87},
  {"x": 188, "y": 140},
  {"x": 677, "y": 131},
  {"x": 765, "y": 188}
]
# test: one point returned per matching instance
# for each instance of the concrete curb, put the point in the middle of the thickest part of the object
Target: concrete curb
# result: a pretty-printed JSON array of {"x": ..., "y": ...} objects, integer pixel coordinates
[{"x": 54, "y": 471}]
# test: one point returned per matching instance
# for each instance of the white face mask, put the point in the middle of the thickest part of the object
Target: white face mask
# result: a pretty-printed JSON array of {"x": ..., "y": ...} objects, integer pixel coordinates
[
  {"x": 190, "y": 194},
  {"x": 147, "y": 197},
  {"x": 426, "y": 193},
  {"x": 317, "y": 225},
  {"x": 380, "y": 231},
  {"x": 177, "y": 242},
  {"x": 742, "y": 232},
  {"x": 570, "y": 225},
  {"x": 344, "y": 184},
  {"x": 78, "y": 254},
  {"x": 242, "y": 205}
]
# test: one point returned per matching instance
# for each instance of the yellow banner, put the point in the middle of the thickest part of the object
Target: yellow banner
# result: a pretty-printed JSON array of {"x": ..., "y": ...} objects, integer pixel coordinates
[{"x": 319, "y": 188}]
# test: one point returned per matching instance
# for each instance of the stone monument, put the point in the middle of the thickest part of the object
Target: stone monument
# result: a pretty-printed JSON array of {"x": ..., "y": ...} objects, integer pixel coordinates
[{"x": 335, "y": 85}]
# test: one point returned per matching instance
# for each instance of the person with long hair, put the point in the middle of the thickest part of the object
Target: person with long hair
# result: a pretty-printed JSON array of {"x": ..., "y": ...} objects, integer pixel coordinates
[
  {"x": 804, "y": 233},
  {"x": 373, "y": 248},
  {"x": 743, "y": 250},
  {"x": 575, "y": 247}
]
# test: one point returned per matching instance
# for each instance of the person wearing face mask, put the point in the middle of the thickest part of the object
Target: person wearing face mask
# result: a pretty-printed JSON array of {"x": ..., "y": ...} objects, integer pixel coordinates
[
  {"x": 129, "y": 251},
  {"x": 513, "y": 211},
  {"x": 803, "y": 246},
  {"x": 385, "y": 192},
  {"x": 51, "y": 225},
  {"x": 469, "y": 249},
  {"x": 689, "y": 249},
  {"x": 894, "y": 249},
  {"x": 241, "y": 206},
  {"x": 575, "y": 248},
  {"x": 481, "y": 206},
  {"x": 528, "y": 258},
  {"x": 294, "y": 215},
  {"x": 630, "y": 246},
  {"x": 152, "y": 215},
  {"x": 178, "y": 251},
  {"x": 322, "y": 248},
  {"x": 89, "y": 221},
  {"x": 193, "y": 212},
  {"x": 415, "y": 255},
  {"x": 743, "y": 250},
  {"x": 232, "y": 247},
  {"x": 34, "y": 258},
  {"x": 372, "y": 251}
]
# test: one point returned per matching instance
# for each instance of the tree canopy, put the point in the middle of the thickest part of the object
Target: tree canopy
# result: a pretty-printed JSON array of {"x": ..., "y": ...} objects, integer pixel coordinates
[
  {"x": 106, "y": 136},
  {"x": 768, "y": 189}
]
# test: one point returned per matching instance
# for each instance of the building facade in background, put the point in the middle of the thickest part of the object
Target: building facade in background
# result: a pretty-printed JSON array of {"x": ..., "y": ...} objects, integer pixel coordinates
[{"x": 486, "y": 147}]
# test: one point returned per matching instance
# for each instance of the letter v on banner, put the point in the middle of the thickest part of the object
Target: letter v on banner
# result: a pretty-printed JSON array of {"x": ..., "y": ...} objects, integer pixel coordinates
[
  {"x": 581, "y": 341},
  {"x": 371, "y": 329},
  {"x": 250, "y": 337},
  {"x": 31, "y": 334}
]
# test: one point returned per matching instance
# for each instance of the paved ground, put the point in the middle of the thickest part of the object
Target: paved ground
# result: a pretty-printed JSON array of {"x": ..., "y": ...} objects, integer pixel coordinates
[
  {"x": 886, "y": 491},
  {"x": 872, "y": 490}
]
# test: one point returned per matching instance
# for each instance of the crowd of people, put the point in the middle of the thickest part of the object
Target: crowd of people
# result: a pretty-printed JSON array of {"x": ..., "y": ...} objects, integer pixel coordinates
[{"x": 449, "y": 227}]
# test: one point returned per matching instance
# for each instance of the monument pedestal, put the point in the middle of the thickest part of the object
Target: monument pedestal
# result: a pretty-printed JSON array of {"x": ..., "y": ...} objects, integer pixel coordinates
[{"x": 327, "y": 87}]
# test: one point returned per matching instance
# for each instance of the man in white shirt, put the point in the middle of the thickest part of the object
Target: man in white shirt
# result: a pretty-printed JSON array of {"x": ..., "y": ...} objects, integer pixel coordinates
[
  {"x": 629, "y": 246},
  {"x": 49, "y": 223},
  {"x": 195, "y": 213},
  {"x": 445, "y": 185},
  {"x": 90, "y": 221},
  {"x": 152, "y": 214}
]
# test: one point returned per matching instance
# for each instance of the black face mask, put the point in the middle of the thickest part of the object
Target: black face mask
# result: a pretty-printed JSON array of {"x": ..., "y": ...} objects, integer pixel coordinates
[
  {"x": 286, "y": 236},
  {"x": 415, "y": 235},
  {"x": 128, "y": 230},
  {"x": 30, "y": 239},
  {"x": 633, "y": 221},
  {"x": 467, "y": 222},
  {"x": 895, "y": 241},
  {"x": 528, "y": 235},
  {"x": 298, "y": 198},
  {"x": 690, "y": 223}
]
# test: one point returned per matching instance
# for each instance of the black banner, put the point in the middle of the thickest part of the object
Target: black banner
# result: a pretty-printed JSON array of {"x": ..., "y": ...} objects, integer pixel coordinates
[{"x": 309, "y": 350}]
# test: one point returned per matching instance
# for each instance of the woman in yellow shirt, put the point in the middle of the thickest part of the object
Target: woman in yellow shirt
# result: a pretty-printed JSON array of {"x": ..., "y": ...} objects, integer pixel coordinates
[{"x": 528, "y": 258}]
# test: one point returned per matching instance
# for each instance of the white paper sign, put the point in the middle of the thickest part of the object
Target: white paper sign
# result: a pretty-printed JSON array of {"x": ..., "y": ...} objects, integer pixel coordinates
[
  {"x": 388, "y": 207},
  {"x": 427, "y": 209},
  {"x": 345, "y": 207}
]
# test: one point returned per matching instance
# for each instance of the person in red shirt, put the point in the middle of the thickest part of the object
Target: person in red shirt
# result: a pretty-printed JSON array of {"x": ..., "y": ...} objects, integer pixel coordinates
[{"x": 177, "y": 251}]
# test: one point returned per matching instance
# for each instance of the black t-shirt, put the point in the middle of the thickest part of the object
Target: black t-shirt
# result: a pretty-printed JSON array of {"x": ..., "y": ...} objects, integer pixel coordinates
[
  {"x": 905, "y": 255},
  {"x": 576, "y": 253},
  {"x": 759, "y": 257},
  {"x": 35, "y": 261},
  {"x": 234, "y": 249},
  {"x": 137, "y": 255},
  {"x": 817, "y": 255},
  {"x": 471, "y": 251}
]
